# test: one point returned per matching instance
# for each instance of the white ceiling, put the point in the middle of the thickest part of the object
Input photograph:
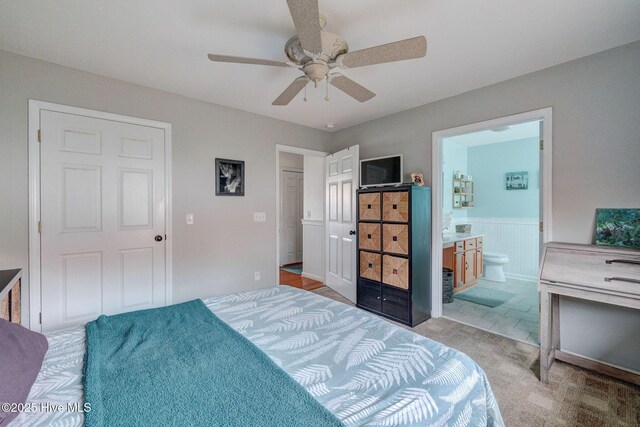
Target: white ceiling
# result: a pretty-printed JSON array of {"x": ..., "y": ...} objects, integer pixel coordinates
[
  {"x": 163, "y": 44},
  {"x": 486, "y": 137}
]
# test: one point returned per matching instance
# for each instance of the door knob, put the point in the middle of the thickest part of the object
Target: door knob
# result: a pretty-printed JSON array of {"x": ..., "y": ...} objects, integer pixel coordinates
[
  {"x": 352, "y": 232},
  {"x": 158, "y": 238}
]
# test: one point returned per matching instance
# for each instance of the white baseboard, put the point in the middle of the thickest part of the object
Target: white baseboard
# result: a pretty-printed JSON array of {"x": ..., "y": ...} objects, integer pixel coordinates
[
  {"x": 521, "y": 277},
  {"x": 312, "y": 276}
]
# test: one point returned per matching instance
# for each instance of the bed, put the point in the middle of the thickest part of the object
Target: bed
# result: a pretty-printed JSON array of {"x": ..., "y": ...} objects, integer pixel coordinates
[{"x": 363, "y": 369}]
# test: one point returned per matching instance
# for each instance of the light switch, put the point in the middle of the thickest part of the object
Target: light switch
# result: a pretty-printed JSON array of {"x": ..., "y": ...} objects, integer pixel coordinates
[
  {"x": 189, "y": 219},
  {"x": 259, "y": 217},
  {"x": 308, "y": 214}
]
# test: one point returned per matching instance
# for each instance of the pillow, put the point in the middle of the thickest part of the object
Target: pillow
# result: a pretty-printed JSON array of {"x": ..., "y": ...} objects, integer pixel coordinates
[{"x": 21, "y": 354}]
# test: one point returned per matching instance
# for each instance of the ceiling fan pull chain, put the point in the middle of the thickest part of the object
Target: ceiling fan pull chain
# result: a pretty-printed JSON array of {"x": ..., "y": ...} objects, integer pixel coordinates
[
  {"x": 305, "y": 93},
  {"x": 326, "y": 98}
]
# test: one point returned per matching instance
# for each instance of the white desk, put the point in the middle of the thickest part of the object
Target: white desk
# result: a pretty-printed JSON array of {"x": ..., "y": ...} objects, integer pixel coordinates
[{"x": 596, "y": 273}]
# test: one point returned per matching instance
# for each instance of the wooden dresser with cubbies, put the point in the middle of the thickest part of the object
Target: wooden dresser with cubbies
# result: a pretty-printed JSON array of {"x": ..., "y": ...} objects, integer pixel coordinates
[{"x": 394, "y": 244}]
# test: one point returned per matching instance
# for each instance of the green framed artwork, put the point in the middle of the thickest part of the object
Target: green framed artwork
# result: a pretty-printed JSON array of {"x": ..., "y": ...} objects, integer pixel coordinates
[
  {"x": 516, "y": 181},
  {"x": 618, "y": 227}
]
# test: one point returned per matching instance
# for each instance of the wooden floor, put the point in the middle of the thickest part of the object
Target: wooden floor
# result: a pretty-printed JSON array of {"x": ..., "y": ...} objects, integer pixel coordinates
[{"x": 297, "y": 281}]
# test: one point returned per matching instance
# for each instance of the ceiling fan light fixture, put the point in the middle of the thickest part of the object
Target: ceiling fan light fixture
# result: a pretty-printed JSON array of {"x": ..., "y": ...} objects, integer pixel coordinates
[
  {"x": 316, "y": 53},
  {"x": 316, "y": 71},
  {"x": 330, "y": 125}
]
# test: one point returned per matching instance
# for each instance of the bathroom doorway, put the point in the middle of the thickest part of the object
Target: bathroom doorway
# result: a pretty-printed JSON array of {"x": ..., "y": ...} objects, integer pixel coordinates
[{"x": 491, "y": 224}]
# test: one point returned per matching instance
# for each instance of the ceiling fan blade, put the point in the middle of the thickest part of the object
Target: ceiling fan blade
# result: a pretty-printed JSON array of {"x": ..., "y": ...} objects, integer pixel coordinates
[
  {"x": 291, "y": 91},
  {"x": 396, "y": 51},
  {"x": 306, "y": 18},
  {"x": 351, "y": 88},
  {"x": 240, "y": 60}
]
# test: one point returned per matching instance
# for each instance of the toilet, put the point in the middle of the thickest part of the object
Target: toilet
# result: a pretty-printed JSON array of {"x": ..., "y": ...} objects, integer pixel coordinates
[{"x": 493, "y": 263}]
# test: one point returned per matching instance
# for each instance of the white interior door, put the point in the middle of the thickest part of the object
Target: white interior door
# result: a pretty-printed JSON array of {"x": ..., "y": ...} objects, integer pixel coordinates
[
  {"x": 103, "y": 218},
  {"x": 342, "y": 182},
  {"x": 291, "y": 208}
]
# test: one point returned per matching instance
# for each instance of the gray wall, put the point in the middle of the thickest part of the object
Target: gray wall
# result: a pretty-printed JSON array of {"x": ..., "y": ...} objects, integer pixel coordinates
[
  {"x": 291, "y": 160},
  {"x": 596, "y": 153},
  {"x": 220, "y": 252}
]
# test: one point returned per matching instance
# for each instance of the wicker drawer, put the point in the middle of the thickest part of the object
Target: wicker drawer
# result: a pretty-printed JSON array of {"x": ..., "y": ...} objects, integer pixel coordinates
[
  {"x": 369, "y": 205},
  {"x": 395, "y": 238},
  {"x": 395, "y": 206},
  {"x": 395, "y": 271},
  {"x": 370, "y": 266},
  {"x": 613, "y": 272},
  {"x": 369, "y": 236},
  {"x": 469, "y": 244}
]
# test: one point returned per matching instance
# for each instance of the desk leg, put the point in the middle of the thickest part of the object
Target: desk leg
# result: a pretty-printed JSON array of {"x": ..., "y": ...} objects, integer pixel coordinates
[
  {"x": 555, "y": 321},
  {"x": 545, "y": 338}
]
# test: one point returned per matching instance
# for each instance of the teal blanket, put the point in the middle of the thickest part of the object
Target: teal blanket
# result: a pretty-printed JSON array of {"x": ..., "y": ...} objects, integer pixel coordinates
[{"x": 183, "y": 366}]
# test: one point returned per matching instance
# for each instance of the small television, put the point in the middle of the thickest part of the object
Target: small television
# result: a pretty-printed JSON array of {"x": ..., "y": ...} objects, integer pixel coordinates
[{"x": 381, "y": 171}]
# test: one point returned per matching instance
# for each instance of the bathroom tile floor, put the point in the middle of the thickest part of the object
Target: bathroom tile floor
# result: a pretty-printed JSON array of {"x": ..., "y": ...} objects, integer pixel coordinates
[{"x": 517, "y": 318}]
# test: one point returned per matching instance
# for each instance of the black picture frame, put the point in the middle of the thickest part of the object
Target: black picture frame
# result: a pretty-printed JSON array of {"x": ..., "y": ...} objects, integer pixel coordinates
[{"x": 230, "y": 177}]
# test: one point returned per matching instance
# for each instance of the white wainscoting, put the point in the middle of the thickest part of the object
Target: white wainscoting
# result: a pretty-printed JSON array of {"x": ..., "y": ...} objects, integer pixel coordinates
[
  {"x": 516, "y": 237},
  {"x": 313, "y": 249}
]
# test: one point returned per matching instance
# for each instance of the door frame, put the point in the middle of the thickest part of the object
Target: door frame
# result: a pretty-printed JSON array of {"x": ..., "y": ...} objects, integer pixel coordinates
[
  {"x": 294, "y": 150},
  {"x": 544, "y": 114},
  {"x": 35, "y": 280}
]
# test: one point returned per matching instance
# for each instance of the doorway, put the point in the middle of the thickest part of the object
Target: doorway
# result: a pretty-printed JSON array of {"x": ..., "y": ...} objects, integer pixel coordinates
[
  {"x": 491, "y": 210},
  {"x": 99, "y": 215},
  {"x": 291, "y": 211},
  {"x": 300, "y": 217}
]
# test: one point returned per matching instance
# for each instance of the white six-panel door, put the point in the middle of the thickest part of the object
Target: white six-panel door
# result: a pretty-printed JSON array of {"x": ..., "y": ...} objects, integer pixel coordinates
[
  {"x": 342, "y": 182},
  {"x": 103, "y": 218},
  {"x": 291, "y": 188}
]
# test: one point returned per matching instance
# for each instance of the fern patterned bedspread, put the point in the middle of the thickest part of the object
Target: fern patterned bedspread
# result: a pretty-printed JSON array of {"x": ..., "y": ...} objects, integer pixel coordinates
[{"x": 362, "y": 368}]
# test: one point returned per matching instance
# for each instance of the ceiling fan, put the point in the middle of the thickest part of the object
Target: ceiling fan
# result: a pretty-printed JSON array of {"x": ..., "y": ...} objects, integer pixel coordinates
[{"x": 317, "y": 53}]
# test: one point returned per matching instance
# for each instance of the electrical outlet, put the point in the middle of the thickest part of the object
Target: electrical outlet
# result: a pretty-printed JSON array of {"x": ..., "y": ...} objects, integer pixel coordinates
[
  {"x": 259, "y": 217},
  {"x": 189, "y": 219},
  {"x": 256, "y": 276}
]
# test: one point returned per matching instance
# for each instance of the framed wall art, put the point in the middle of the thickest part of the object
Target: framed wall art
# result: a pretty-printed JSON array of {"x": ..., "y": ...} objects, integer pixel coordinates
[
  {"x": 229, "y": 177},
  {"x": 517, "y": 180},
  {"x": 618, "y": 227}
]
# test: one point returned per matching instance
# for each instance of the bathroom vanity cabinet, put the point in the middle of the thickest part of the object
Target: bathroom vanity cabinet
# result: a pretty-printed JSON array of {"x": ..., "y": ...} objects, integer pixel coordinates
[{"x": 464, "y": 257}]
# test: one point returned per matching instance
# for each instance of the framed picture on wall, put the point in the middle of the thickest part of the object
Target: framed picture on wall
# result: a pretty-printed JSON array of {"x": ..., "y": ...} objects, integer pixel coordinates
[
  {"x": 229, "y": 177},
  {"x": 517, "y": 180}
]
